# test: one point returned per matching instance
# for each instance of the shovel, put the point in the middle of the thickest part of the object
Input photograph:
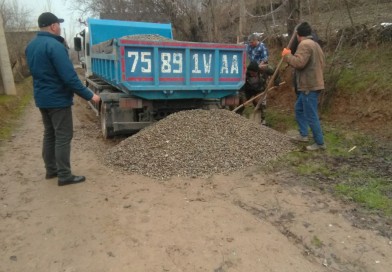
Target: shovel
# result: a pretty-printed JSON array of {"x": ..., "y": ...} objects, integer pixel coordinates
[{"x": 270, "y": 82}]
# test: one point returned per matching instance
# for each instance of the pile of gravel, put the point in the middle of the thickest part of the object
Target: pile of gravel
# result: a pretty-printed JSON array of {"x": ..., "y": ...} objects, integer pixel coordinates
[
  {"x": 198, "y": 143},
  {"x": 106, "y": 47},
  {"x": 146, "y": 37}
]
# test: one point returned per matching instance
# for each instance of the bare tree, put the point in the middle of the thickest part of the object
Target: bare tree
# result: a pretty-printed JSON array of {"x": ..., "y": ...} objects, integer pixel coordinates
[
  {"x": 48, "y": 5},
  {"x": 315, "y": 11},
  {"x": 223, "y": 20},
  {"x": 178, "y": 13},
  {"x": 184, "y": 16},
  {"x": 349, "y": 12},
  {"x": 294, "y": 13},
  {"x": 211, "y": 6},
  {"x": 17, "y": 24},
  {"x": 96, "y": 7},
  {"x": 242, "y": 23},
  {"x": 15, "y": 18}
]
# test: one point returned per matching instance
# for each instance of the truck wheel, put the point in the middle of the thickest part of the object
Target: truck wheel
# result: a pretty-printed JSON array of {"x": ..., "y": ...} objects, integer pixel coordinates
[{"x": 106, "y": 121}]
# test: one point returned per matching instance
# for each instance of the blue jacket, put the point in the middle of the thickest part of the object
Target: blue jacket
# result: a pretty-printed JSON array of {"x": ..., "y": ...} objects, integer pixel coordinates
[
  {"x": 54, "y": 77},
  {"x": 259, "y": 53}
]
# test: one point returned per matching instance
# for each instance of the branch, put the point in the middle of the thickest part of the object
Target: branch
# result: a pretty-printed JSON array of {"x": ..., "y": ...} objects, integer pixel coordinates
[
  {"x": 268, "y": 14},
  {"x": 349, "y": 13}
]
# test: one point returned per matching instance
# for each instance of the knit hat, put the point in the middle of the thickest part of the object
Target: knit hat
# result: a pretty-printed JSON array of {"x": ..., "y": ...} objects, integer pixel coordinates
[
  {"x": 304, "y": 29},
  {"x": 47, "y": 18}
]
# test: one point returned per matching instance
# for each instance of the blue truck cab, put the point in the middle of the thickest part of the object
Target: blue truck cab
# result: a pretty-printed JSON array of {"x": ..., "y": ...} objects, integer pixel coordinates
[{"x": 142, "y": 74}]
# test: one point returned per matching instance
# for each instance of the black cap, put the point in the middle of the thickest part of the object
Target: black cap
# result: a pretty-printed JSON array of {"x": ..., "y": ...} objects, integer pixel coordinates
[{"x": 48, "y": 18}]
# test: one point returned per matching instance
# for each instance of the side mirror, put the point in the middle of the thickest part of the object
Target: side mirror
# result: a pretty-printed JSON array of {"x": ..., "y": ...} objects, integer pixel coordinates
[{"x": 78, "y": 44}]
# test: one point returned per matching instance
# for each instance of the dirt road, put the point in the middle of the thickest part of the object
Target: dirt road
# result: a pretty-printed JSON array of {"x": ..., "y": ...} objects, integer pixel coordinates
[{"x": 246, "y": 221}]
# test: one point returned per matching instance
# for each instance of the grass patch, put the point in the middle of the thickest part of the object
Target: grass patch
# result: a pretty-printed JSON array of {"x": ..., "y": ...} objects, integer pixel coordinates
[
  {"x": 248, "y": 110},
  {"x": 274, "y": 118},
  {"x": 354, "y": 166},
  {"x": 279, "y": 121},
  {"x": 316, "y": 242},
  {"x": 367, "y": 69},
  {"x": 370, "y": 193},
  {"x": 310, "y": 168},
  {"x": 12, "y": 106}
]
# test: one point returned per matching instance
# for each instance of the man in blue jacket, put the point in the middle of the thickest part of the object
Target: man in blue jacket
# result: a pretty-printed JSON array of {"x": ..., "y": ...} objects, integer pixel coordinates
[
  {"x": 257, "y": 51},
  {"x": 55, "y": 83}
]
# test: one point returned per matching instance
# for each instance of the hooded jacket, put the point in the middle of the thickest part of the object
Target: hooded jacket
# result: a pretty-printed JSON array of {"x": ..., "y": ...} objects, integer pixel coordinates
[{"x": 54, "y": 77}]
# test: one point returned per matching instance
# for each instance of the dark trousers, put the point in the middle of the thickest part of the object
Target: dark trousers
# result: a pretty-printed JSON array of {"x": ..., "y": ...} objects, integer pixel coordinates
[{"x": 58, "y": 133}]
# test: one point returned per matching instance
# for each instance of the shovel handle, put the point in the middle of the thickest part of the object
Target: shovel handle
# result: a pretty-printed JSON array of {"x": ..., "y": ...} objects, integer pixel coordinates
[{"x": 272, "y": 79}]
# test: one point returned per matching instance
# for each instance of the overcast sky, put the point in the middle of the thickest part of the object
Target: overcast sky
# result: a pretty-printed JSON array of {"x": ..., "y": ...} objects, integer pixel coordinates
[{"x": 61, "y": 8}]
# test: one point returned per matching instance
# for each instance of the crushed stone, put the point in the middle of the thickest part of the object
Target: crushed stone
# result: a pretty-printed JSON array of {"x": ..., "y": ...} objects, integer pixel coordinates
[{"x": 198, "y": 143}]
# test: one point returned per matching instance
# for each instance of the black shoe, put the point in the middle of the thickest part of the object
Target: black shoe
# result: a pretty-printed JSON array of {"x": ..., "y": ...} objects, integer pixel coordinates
[
  {"x": 71, "y": 180},
  {"x": 50, "y": 176}
]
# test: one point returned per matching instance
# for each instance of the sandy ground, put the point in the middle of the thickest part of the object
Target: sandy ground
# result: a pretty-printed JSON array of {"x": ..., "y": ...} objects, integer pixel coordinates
[{"x": 246, "y": 221}]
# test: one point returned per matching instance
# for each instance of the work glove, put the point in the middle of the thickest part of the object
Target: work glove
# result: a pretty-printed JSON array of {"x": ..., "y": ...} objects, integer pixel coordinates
[{"x": 285, "y": 52}]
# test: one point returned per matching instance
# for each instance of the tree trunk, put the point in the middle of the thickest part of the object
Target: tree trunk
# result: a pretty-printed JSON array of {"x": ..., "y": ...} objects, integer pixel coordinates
[
  {"x": 349, "y": 12},
  {"x": 241, "y": 30},
  {"x": 294, "y": 15},
  {"x": 315, "y": 13}
]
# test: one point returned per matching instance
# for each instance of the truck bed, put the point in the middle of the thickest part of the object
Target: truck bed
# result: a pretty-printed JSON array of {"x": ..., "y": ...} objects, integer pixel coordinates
[{"x": 156, "y": 69}]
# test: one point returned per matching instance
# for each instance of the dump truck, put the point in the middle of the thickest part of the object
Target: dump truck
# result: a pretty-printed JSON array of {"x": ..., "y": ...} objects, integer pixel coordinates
[{"x": 142, "y": 74}]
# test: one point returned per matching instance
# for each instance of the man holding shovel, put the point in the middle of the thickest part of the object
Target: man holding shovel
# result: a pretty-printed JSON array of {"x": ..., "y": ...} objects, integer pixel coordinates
[{"x": 308, "y": 62}]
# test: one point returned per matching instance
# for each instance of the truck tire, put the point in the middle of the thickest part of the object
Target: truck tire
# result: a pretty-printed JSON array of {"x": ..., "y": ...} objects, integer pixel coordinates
[{"x": 106, "y": 121}]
